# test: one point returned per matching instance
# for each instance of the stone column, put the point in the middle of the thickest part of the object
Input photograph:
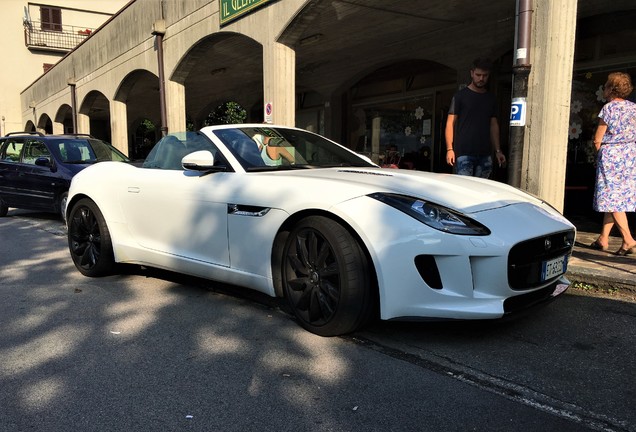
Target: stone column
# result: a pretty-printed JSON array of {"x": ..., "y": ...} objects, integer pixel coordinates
[
  {"x": 175, "y": 107},
  {"x": 119, "y": 126},
  {"x": 549, "y": 89},
  {"x": 83, "y": 123},
  {"x": 279, "y": 82},
  {"x": 58, "y": 128}
]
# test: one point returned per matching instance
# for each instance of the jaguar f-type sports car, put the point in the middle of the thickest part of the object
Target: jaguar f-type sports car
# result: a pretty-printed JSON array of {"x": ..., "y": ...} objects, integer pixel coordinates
[{"x": 292, "y": 214}]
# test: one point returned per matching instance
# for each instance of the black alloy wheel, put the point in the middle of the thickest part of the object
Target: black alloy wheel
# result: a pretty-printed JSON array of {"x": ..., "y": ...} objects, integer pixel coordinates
[
  {"x": 326, "y": 277},
  {"x": 89, "y": 240}
]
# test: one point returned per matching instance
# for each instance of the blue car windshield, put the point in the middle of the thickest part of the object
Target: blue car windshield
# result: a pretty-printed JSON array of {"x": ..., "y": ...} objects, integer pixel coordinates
[{"x": 90, "y": 150}]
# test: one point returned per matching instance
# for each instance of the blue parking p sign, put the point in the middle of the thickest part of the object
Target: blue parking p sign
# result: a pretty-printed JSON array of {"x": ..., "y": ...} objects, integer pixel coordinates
[{"x": 518, "y": 112}]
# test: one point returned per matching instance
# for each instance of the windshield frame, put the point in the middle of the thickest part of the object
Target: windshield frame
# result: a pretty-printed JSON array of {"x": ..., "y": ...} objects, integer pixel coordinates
[{"x": 309, "y": 150}]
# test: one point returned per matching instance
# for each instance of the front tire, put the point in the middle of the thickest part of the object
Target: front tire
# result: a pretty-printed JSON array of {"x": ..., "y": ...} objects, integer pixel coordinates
[
  {"x": 326, "y": 277},
  {"x": 62, "y": 205},
  {"x": 89, "y": 240}
]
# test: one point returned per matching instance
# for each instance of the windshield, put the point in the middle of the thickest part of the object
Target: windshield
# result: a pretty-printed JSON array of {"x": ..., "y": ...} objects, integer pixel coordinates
[
  {"x": 106, "y": 152},
  {"x": 266, "y": 148},
  {"x": 170, "y": 150},
  {"x": 81, "y": 151}
]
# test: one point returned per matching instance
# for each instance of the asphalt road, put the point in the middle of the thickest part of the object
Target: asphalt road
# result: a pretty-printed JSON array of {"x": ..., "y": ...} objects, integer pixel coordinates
[{"x": 155, "y": 351}]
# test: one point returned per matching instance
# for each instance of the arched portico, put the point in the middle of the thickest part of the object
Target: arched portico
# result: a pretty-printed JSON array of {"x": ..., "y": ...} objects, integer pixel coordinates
[
  {"x": 94, "y": 116},
  {"x": 63, "y": 119},
  {"x": 139, "y": 94},
  {"x": 29, "y": 126},
  {"x": 220, "y": 67},
  {"x": 300, "y": 56},
  {"x": 45, "y": 124}
]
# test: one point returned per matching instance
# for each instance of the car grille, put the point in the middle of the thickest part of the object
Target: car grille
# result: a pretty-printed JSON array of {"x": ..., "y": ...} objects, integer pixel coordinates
[
  {"x": 519, "y": 304},
  {"x": 525, "y": 259}
]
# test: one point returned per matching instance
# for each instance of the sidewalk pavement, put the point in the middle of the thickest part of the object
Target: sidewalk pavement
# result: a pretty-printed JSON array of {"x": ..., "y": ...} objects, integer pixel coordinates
[{"x": 604, "y": 270}]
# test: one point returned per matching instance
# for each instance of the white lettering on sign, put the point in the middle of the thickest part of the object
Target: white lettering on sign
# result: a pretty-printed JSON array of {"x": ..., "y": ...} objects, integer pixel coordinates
[{"x": 518, "y": 112}]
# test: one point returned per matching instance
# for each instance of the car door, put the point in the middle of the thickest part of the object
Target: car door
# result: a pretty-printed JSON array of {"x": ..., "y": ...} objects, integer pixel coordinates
[
  {"x": 178, "y": 212},
  {"x": 38, "y": 182},
  {"x": 11, "y": 187}
]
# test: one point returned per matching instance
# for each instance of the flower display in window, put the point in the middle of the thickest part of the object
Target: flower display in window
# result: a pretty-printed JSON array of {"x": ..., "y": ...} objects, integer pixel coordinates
[
  {"x": 575, "y": 130},
  {"x": 419, "y": 112},
  {"x": 407, "y": 131},
  {"x": 586, "y": 101},
  {"x": 599, "y": 94}
]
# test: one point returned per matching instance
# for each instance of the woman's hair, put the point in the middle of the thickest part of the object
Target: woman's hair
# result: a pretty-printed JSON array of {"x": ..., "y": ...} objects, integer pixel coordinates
[{"x": 618, "y": 85}]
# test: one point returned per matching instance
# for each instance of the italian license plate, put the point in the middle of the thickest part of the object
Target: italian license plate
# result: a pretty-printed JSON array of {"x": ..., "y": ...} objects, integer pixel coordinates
[{"x": 554, "y": 267}]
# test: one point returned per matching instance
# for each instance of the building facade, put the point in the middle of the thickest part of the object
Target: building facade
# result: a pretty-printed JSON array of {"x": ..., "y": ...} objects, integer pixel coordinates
[
  {"x": 35, "y": 36},
  {"x": 370, "y": 74}
]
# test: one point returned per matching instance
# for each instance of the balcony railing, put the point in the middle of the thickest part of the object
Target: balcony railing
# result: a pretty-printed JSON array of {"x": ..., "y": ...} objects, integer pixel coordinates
[{"x": 63, "y": 38}]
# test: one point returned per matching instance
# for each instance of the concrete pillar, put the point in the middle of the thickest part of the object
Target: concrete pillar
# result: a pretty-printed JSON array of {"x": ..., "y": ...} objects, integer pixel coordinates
[
  {"x": 549, "y": 89},
  {"x": 175, "y": 106},
  {"x": 376, "y": 127},
  {"x": 83, "y": 123},
  {"x": 279, "y": 83},
  {"x": 119, "y": 126},
  {"x": 58, "y": 128}
]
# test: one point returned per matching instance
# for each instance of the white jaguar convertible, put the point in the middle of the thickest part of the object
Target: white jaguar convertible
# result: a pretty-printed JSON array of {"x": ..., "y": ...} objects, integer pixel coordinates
[{"x": 292, "y": 214}]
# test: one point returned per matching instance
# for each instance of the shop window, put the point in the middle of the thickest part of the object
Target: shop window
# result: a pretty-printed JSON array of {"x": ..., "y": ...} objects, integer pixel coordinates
[
  {"x": 397, "y": 111},
  {"x": 619, "y": 43},
  {"x": 400, "y": 133},
  {"x": 585, "y": 104},
  {"x": 605, "y": 36}
]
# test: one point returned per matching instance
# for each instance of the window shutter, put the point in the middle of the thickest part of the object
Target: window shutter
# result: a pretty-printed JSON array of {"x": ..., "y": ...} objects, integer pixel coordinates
[{"x": 51, "y": 18}]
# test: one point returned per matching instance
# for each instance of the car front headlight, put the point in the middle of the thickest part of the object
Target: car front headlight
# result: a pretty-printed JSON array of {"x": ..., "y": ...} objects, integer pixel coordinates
[{"x": 433, "y": 215}]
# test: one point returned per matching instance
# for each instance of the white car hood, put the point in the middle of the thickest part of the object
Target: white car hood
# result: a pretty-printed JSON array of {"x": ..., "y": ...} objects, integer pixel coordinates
[{"x": 465, "y": 194}]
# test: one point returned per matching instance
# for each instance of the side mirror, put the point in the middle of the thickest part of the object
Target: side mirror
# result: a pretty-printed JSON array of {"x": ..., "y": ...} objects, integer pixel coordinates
[
  {"x": 202, "y": 160},
  {"x": 43, "y": 161}
]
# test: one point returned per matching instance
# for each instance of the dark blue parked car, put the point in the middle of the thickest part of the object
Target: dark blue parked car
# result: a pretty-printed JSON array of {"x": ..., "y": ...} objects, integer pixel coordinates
[{"x": 36, "y": 169}]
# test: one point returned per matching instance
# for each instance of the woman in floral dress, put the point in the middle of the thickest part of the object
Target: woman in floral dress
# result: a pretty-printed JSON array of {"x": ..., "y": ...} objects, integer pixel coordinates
[{"x": 615, "y": 141}]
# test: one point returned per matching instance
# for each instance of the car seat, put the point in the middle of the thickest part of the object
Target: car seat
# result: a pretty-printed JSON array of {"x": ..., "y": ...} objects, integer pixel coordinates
[
  {"x": 73, "y": 154},
  {"x": 172, "y": 151},
  {"x": 247, "y": 152}
]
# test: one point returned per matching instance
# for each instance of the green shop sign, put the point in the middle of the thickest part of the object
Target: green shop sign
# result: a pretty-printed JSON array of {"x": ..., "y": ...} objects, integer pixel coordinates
[{"x": 233, "y": 9}]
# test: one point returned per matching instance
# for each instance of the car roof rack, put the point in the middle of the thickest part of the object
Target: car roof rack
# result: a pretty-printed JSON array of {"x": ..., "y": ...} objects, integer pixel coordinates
[
  {"x": 25, "y": 133},
  {"x": 78, "y": 135}
]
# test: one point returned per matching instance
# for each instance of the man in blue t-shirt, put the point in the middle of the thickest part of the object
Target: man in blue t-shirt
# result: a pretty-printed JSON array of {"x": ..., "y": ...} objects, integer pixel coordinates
[{"x": 472, "y": 130}]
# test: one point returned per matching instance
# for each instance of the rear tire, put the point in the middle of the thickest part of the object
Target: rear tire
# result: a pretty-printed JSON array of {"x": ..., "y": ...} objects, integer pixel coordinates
[
  {"x": 326, "y": 277},
  {"x": 89, "y": 240}
]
